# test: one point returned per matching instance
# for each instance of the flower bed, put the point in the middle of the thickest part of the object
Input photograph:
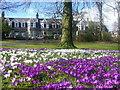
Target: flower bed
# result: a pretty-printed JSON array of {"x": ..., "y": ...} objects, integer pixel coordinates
[{"x": 59, "y": 68}]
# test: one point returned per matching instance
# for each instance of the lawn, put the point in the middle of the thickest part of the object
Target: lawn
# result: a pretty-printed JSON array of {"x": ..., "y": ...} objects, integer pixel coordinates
[
  {"x": 11, "y": 41},
  {"x": 89, "y": 45}
]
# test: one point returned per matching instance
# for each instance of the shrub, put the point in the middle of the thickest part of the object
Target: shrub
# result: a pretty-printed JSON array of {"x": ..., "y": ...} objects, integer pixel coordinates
[
  {"x": 107, "y": 36},
  {"x": 49, "y": 36},
  {"x": 116, "y": 39}
]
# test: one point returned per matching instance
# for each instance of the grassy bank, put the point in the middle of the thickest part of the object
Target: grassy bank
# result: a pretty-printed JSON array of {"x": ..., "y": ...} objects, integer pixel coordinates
[{"x": 89, "y": 45}]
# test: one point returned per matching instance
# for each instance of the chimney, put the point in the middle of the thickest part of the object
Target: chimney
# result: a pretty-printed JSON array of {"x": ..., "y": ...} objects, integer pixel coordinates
[
  {"x": 37, "y": 15},
  {"x": 3, "y": 15}
]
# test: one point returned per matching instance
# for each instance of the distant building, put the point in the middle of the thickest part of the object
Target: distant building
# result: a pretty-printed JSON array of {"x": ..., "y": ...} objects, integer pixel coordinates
[
  {"x": 114, "y": 33},
  {"x": 31, "y": 27},
  {"x": 81, "y": 20}
]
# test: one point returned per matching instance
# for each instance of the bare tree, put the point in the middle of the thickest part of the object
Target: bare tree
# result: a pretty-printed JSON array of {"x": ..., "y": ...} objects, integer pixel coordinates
[
  {"x": 100, "y": 8},
  {"x": 11, "y": 6},
  {"x": 118, "y": 11},
  {"x": 66, "y": 40},
  {"x": 116, "y": 8}
]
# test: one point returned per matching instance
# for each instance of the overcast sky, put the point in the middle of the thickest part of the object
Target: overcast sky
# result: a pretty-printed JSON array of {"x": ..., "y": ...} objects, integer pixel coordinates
[{"x": 109, "y": 15}]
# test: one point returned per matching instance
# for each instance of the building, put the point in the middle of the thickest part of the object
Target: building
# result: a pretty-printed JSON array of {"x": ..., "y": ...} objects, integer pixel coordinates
[
  {"x": 81, "y": 20},
  {"x": 32, "y": 27},
  {"x": 114, "y": 33}
]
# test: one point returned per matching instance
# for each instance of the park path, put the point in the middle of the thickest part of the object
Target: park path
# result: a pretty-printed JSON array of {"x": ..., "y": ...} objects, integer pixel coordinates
[{"x": 26, "y": 42}]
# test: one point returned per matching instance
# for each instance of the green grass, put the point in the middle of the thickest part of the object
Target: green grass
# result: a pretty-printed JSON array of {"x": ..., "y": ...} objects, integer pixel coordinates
[
  {"x": 11, "y": 41},
  {"x": 35, "y": 45},
  {"x": 90, "y": 45},
  {"x": 0, "y": 81},
  {"x": 104, "y": 46}
]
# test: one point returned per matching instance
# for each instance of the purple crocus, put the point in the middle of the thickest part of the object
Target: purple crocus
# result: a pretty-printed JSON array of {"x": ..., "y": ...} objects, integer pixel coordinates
[
  {"x": 34, "y": 82},
  {"x": 20, "y": 79},
  {"x": 80, "y": 86},
  {"x": 15, "y": 83}
]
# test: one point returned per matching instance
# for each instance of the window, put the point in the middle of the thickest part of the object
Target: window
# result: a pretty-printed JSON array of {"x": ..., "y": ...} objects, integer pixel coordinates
[
  {"x": 44, "y": 33},
  {"x": 44, "y": 25},
  {"x": 19, "y": 24},
  {"x": 86, "y": 28},
  {"x": 31, "y": 24},
  {"x": 16, "y": 25},
  {"x": 82, "y": 28},
  {"x": 57, "y": 26},
  {"x": 53, "y": 26},
  {"x": 23, "y": 24},
  {"x": 13, "y": 24},
  {"x": 50, "y": 26},
  {"x": 26, "y": 25}
]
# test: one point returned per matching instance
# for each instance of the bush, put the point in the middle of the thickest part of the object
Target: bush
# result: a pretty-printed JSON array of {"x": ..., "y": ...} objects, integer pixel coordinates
[
  {"x": 107, "y": 36},
  {"x": 49, "y": 36},
  {"x": 86, "y": 36},
  {"x": 89, "y": 36},
  {"x": 81, "y": 36},
  {"x": 116, "y": 39}
]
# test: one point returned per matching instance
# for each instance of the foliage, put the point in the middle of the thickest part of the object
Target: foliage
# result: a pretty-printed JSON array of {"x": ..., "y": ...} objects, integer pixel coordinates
[
  {"x": 92, "y": 32},
  {"x": 5, "y": 28},
  {"x": 107, "y": 36},
  {"x": 81, "y": 36},
  {"x": 49, "y": 36},
  {"x": 116, "y": 39}
]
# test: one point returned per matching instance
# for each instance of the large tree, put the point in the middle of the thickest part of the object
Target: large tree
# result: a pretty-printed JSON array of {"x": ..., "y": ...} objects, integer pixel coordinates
[
  {"x": 118, "y": 11},
  {"x": 100, "y": 8},
  {"x": 66, "y": 40}
]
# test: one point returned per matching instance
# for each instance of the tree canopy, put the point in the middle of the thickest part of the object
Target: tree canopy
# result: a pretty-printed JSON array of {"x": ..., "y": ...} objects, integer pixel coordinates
[{"x": 5, "y": 28}]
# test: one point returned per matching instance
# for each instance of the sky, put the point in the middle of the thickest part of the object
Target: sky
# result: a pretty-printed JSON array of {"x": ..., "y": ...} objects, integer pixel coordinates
[{"x": 109, "y": 15}]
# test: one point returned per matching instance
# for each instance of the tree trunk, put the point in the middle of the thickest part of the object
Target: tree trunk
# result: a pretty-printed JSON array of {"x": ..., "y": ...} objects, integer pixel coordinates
[
  {"x": 99, "y": 6},
  {"x": 118, "y": 18},
  {"x": 66, "y": 40},
  {"x": 118, "y": 10}
]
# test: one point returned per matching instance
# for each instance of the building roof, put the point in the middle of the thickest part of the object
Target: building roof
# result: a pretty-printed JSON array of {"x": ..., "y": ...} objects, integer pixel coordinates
[
  {"x": 23, "y": 19},
  {"x": 33, "y": 20}
]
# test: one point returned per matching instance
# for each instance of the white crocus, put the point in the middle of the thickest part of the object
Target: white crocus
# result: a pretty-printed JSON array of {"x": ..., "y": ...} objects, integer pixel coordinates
[
  {"x": 70, "y": 86},
  {"x": 13, "y": 67},
  {"x": 13, "y": 80},
  {"x": 28, "y": 78},
  {"x": 28, "y": 61},
  {"x": 35, "y": 65},
  {"x": 49, "y": 67},
  {"x": 7, "y": 75},
  {"x": 9, "y": 71}
]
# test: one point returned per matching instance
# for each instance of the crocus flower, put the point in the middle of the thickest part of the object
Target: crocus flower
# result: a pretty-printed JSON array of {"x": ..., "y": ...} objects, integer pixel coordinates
[{"x": 15, "y": 83}]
